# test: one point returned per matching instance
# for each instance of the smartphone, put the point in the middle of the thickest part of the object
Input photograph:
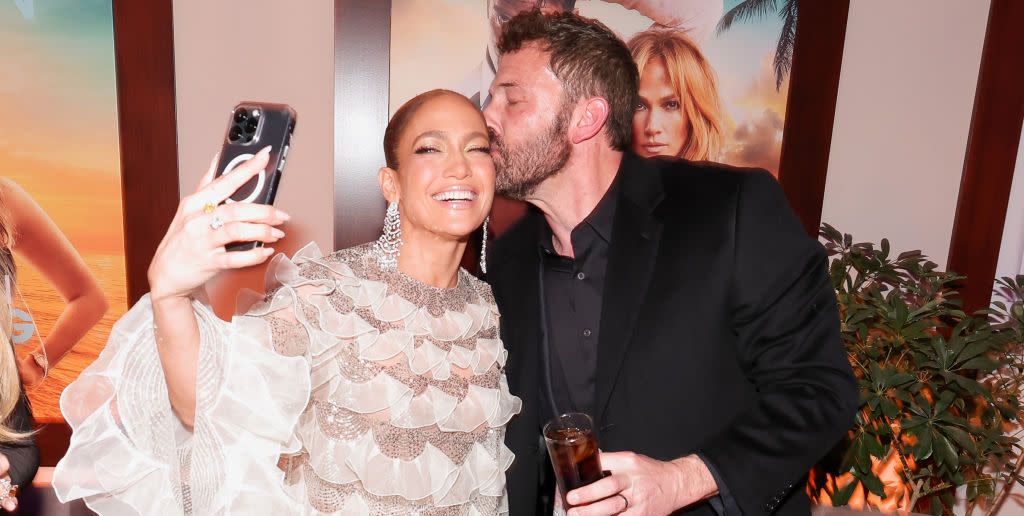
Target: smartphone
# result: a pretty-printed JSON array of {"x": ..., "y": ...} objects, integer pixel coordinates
[{"x": 255, "y": 125}]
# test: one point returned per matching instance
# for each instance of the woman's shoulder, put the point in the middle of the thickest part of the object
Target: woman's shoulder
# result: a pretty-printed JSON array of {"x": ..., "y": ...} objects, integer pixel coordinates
[
  {"x": 481, "y": 287},
  {"x": 310, "y": 259},
  {"x": 352, "y": 256},
  {"x": 12, "y": 193}
]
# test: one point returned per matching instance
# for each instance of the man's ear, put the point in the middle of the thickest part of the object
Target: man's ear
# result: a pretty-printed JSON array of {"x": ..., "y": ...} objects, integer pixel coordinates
[{"x": 589, "y": 117}]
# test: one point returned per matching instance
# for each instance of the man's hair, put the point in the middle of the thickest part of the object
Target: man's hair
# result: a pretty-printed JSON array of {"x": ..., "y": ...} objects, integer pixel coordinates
[{"x": 587, "y": 57}]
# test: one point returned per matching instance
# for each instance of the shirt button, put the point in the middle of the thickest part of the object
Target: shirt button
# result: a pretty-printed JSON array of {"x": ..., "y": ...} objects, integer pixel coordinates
[
  {"x": 580, "y": 276},
  {"x": 586, "y": 333}
]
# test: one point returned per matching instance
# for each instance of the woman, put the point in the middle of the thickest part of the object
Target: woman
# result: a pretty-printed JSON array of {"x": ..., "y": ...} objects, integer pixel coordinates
[
  {"x": 35, "y": 238},
  {"x": 19, "y": 457},
  {"x": 368, "y": 381},
  {"x": 679, "y": 112}
]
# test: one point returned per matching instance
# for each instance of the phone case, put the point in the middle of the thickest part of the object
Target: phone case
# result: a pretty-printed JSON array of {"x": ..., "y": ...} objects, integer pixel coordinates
[{"x": 254, "y": 125}]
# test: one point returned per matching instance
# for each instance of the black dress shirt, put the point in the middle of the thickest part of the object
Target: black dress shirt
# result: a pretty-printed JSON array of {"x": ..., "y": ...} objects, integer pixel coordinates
[{"x": 573, "y": 295}]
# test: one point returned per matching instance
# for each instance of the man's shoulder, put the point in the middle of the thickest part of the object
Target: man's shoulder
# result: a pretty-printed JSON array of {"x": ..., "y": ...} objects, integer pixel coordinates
[
  {"x": 679, "y": 175},
  {"x": 690, "y": 185}
]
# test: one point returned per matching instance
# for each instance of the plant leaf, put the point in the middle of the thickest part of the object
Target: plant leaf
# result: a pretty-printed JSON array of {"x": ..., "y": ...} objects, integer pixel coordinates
[
  {"x": 944, "y": 452},
  {"x": 873, "y": 484}
]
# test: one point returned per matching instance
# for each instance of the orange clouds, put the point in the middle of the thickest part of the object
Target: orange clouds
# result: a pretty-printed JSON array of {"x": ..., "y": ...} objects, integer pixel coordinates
[{"x": 753, "y": 129}]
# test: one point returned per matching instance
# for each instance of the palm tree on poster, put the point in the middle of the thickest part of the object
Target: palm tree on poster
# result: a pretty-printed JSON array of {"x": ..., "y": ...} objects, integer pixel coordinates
[{"x": 749, "y": 10}]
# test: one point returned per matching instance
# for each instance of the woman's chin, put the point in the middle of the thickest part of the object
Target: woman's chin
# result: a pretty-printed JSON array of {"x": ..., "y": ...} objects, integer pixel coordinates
[{"x": 456, "y": 232}]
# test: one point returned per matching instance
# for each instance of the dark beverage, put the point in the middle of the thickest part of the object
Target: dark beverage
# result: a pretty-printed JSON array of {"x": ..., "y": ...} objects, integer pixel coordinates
[{"x": 572, "y": 447}]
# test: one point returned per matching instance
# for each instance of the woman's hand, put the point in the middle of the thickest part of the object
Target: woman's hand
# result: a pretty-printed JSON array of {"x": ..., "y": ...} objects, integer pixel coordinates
[
  {"x": 192, "y": 252},
  {"x": 30, "y": 371},
  {"x": 10, "y": 503}
]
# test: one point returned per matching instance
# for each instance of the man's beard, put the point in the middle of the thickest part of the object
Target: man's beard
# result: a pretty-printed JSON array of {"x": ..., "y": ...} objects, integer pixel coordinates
[{"x": 521, "y": 169}]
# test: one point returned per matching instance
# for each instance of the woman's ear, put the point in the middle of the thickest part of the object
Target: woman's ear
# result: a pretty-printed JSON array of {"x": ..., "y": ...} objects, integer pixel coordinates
[{"x": 389, "y": 184}]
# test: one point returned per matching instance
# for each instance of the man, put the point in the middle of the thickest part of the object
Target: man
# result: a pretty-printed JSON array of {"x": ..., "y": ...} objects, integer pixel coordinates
[{"x": 680, "y": 304}]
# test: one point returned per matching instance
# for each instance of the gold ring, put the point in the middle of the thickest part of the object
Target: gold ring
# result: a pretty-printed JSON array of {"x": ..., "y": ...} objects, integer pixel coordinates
[{"x": 209, "y": 207}]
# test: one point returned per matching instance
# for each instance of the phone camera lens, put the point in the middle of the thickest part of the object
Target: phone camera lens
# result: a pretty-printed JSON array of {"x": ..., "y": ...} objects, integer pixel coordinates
[
  {"x": 235, "y": 134},
  {"x": 241, "y": 115},
  {"x": 251, "y": 125}
]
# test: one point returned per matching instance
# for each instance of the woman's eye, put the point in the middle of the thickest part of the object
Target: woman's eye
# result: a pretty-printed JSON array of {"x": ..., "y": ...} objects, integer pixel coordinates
[
  {"x": 672, "y": 104},
  {"x": 640, "y": 107},
  {"x": 485, "y": 150},
  {"x": 426, "y": 149}
]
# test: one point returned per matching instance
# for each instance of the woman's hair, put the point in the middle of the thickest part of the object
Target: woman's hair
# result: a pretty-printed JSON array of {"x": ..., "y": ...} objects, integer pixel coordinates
[
  {"x": 401, "y": 119},
  {"x": 10, "y": 383},
  {"x": 694, "y": 81}
]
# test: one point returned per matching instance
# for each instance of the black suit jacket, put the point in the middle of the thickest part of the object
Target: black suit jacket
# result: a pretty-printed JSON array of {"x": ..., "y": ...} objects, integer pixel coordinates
[{"x": 719, "y": 334}]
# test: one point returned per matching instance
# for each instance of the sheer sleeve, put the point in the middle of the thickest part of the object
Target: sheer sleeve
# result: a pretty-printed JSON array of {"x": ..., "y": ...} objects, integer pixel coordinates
[{"x": 129, "y": 454}]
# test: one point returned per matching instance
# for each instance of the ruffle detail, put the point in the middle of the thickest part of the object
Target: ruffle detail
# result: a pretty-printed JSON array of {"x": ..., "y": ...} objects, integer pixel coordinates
[
  {"x": 432, "y": 474},
  {"x": 481, "y": 406}
]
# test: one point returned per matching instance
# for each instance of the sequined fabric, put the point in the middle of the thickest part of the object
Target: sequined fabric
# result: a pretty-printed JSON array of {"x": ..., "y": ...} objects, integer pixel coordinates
[{"x": 348, "y": 389}]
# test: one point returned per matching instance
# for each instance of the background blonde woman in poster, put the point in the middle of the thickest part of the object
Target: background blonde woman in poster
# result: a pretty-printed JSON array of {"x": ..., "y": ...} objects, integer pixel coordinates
[
  {"x": 19, "y": 458},
  {"x": 679, "y": 113},
  {"x": 34, "y": 237}
]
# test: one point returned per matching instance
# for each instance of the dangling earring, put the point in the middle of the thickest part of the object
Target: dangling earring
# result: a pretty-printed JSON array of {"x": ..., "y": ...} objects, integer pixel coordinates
[
  {"x": 388, "y": 246},
  {"x": 483, "y": 247}
]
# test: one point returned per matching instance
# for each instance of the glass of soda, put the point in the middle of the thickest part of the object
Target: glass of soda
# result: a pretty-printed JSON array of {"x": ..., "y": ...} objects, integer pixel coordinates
[{"x": 572, "y": 447}]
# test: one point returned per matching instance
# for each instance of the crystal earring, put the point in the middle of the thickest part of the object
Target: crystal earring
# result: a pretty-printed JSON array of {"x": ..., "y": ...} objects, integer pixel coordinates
[
  {"x": 483, "y": 247},
  {"x": 388, "y": 246}
]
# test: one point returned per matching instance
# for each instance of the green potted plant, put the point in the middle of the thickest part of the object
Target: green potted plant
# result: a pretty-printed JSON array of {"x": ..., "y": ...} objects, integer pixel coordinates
[{"x": 939, "y": 387}]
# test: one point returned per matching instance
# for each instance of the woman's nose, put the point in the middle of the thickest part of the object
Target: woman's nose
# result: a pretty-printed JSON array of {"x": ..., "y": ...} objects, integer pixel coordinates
[{"x": 458, "y": 168}]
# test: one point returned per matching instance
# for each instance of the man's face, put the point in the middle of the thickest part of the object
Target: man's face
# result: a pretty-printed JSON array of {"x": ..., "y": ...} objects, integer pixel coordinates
[{"x": 528, "y": 118}]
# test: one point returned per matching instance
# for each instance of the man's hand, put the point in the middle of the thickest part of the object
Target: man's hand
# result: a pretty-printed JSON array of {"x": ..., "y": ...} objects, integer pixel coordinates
[{"x": 640, "y": 485}]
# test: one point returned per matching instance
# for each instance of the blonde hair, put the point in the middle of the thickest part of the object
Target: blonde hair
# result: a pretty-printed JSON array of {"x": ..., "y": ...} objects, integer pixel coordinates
[
  {"x": 10, "y": 382},
  {"x": 694, "y": 82}
]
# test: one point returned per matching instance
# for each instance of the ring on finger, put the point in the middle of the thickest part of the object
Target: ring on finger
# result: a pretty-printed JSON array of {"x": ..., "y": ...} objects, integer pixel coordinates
[
  {"x": 209, "y": 207},
  {"x": 7, "y": 490},
  {"x": 216, "y": 223},
  {"x": 624, "y": 499}
]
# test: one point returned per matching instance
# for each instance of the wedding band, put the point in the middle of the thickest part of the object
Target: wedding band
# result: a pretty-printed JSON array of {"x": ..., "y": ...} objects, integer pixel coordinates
[
  {"x": 624, "y": 499},
  {"x": 216, "y": 223},
  {"x": 209, "y": 207}
]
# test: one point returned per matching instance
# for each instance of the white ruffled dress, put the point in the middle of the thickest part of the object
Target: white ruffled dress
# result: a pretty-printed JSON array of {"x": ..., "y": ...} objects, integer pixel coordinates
[{"x": 347, "y": 390}]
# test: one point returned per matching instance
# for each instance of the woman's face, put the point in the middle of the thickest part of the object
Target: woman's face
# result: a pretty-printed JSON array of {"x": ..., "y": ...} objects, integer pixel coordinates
[
  {"x": 660, "y": 126},
  {"x": 445, "y": 177}
]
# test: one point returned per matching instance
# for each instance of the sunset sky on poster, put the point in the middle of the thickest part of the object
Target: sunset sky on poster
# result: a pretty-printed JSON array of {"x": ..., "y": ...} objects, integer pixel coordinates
[
  {"x": 59, "y": 137},
  {"x": 59, "y": 142}
]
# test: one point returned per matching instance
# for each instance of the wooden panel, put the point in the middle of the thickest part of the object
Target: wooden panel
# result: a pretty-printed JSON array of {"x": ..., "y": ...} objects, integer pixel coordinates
[
  {"x": 991, "y": 154},
  {"x": 811, "y": 106},
  {"x": 144, "y": 54},
  {"x": 362, "y": 46}
]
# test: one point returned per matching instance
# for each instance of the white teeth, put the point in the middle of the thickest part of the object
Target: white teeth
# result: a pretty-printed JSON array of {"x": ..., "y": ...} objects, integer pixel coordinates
[{"x": 455, "y": 195}]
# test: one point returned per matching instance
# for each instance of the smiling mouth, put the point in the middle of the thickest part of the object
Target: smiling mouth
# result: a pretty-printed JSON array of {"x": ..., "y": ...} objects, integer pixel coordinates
[{"x": 455, "y": 196}]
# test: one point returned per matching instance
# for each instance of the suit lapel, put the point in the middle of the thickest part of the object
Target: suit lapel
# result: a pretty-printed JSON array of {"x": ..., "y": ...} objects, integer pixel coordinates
[
  {"x": 521, "y": 315},
  {"x": 636, "y": 235}
]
